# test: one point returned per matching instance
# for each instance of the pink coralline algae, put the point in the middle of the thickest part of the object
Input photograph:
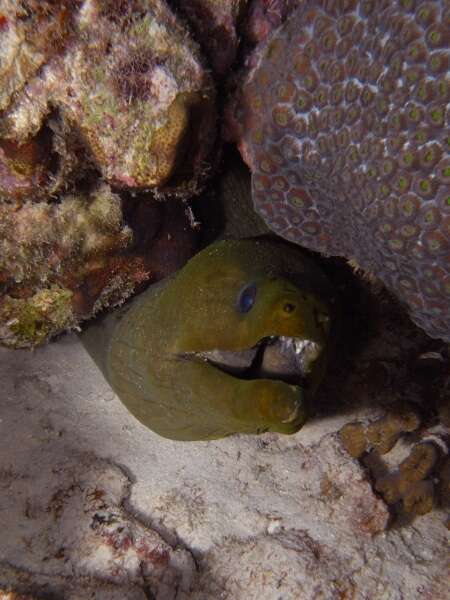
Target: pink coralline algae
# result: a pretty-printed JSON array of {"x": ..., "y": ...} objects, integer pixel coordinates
[
  {"x": 104, "y": 107},
  {"x": 61, "y": 263},
  {"x": 342, "y": 118},
  {"x": 125, "y": 79},
  {"x": 266, "y": 15}
]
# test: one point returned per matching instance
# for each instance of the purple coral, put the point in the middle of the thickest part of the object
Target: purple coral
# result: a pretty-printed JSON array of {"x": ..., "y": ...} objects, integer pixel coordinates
[{"x": 343, "y": 121}]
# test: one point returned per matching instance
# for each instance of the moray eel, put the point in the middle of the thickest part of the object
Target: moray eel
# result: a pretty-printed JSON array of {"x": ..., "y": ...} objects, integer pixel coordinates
[{"x": 235, "y": 342}]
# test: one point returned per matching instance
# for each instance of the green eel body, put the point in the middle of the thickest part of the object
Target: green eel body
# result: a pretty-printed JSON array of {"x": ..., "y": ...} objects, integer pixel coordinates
[{"x": 158, "y": 351}]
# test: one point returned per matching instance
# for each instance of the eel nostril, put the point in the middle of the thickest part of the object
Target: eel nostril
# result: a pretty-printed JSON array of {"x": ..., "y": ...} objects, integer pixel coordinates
[
  {"x": 321, "y": 318},
  {"x": 289, "y": 307}
]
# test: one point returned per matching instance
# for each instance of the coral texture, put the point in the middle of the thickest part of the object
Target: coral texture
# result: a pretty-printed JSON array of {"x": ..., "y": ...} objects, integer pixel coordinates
[
  {"x": 410, "y": 482},
  {"x": 380, "y": 435},
  {"x": 127, "y": 79},
  {"x": 411, "y": 485},
  {"x": 61, "y": 263},
  {"x": 215, "y": 24},
  {"x": 266, "y": 15},
  {"x": 342, "y": 119},
  {"x": 96, "y": 99}
]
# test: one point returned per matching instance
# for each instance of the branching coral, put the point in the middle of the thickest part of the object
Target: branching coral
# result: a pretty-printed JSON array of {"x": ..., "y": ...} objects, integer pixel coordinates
[
  {"x": 380, "y": 435},
  {"x": 409, "y": 483},
  {"x": 410, "y": 487},
  {"x": 342, "y": 120}
]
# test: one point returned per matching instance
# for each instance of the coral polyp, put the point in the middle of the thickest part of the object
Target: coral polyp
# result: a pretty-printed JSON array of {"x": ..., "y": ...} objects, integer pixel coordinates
[
  {"x": 411, "y": 486},
  {"x": 380, "y": 435},
  {"x": 342, "y": 118},
  {"x": 410, "y": 483}
]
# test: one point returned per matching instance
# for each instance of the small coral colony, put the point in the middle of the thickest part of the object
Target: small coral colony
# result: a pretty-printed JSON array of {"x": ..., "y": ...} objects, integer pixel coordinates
[{"x": 116, "y": 121}]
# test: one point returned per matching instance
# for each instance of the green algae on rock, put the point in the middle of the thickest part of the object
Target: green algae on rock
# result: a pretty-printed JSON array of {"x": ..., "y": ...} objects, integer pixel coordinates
[
  {"x": 61, "y": 263},
  {"x": 342, "y": 119},
  {"x": 235, "y": 342},
  {"x": 126, "y": 79},
  {"x": 94, "y": 94}
]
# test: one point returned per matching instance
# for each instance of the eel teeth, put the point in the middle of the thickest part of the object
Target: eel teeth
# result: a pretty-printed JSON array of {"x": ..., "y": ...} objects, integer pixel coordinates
[
  {"x": 275, "y": 357},
  {"x": 306, "y": 352},
  {"x": 230, "y": 360}
]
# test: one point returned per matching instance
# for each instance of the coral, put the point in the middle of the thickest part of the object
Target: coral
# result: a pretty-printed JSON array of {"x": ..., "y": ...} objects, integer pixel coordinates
[
  {"x": 31, "y": 321},
  {"x": 62, "y": 262},
  {"x": 32, "y": 32},
  {"x": 266, "y": 15},
  {"x": 94, "y": 94},
  {"x": 215, "y": 24},
  {"x": 380, "y": 435},
  {"x": 410, "y": 487},
  {"x": 127, "y": 81},
  {"x": 409, "y": 483},
  {"x": 342, "y": 120}
]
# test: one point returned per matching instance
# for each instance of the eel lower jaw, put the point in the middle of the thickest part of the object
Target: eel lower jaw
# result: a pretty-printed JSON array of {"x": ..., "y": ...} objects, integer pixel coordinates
[{"x": 283, "y": 358}]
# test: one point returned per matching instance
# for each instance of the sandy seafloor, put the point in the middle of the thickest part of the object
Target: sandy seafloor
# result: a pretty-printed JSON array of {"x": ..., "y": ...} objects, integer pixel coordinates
[{"x": 94, "y": 505}]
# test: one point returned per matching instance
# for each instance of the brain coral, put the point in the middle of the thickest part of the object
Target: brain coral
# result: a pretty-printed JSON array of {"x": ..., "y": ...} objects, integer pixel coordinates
[{"x": 342, "y": 119}]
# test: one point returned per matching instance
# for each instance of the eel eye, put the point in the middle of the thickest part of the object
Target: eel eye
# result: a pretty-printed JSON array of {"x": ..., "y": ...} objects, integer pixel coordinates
[{"x": 246, "y": 298}]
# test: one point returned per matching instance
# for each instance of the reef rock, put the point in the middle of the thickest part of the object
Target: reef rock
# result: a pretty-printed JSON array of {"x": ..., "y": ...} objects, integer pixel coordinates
[
  {"x": 99, "y": 101},
  {"x": 342, "y": 118},
  {"x": 79, "y": 517},
  {"x": 62, "y": 262},
  {"x": 123, "y": 78},
  {"x": 216, "y": 26}
]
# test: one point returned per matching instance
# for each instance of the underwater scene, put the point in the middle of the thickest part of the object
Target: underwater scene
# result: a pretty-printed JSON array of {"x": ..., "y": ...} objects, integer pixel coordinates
[{"x": 224, "y": 299}]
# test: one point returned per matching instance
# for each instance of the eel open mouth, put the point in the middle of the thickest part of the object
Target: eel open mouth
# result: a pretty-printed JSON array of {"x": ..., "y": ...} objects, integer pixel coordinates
[{"x": 288, "y": 359}]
